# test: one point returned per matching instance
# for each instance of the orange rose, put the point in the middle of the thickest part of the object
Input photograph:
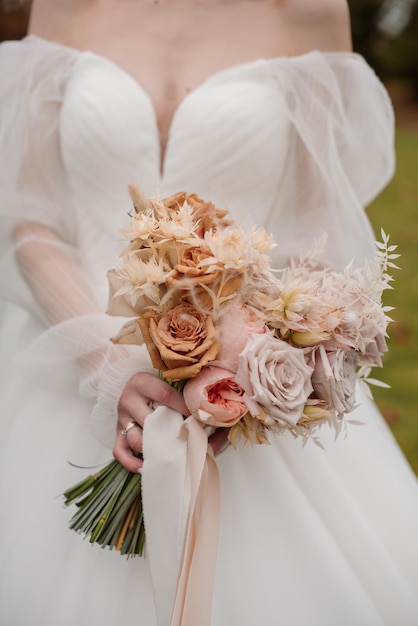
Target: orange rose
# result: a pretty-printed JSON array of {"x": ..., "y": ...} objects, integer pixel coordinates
[
  {"x": 180, "y": 342},
  {"x": 205, "y": 288},
  {"x": 189, "y": 269}
]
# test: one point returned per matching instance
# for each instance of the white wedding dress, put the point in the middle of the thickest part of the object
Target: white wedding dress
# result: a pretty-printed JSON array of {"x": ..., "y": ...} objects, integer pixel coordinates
[{"x": 309, "y": 536}]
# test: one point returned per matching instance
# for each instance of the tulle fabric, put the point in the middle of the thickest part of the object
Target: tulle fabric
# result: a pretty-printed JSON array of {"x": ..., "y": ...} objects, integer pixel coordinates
[
  {"x": 297, "y": 145},
  {"x": 44, "y": 268}
]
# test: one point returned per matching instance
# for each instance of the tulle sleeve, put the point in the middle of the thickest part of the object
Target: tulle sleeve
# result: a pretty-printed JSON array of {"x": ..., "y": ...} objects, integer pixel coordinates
[
  {"x": 41, "y": 269},
  {"x": 340, "y": 154}
]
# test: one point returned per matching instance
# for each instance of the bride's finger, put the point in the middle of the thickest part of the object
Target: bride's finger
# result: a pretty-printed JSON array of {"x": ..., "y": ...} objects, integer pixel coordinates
[
  {"x": 134, "y": 408},
  {"x": 158, "y": 391},
  {"x": 134, "y": 437},
  {"x": 123, "y": 450}
]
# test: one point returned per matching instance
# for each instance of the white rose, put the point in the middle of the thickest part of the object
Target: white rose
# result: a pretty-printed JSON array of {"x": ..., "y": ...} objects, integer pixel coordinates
[{"x": 274, "y": 375}]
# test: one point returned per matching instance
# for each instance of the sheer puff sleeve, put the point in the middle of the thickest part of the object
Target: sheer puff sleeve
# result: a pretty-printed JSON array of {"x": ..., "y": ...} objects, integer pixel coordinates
[
  {"x": 41, "y": 268},
  {"x": 340, "y": 154}
]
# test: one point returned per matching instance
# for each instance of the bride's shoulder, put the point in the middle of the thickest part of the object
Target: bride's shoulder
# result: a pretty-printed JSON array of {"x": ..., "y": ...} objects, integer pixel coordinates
[
  {"x": 325, "y": 22},
  {"x": 57, "y": 19},
  {"x": 336, "y": 8}
]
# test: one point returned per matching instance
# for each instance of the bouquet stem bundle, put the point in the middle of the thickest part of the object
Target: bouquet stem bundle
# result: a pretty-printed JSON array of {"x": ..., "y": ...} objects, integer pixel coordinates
[{"x": 110, "y": 509}]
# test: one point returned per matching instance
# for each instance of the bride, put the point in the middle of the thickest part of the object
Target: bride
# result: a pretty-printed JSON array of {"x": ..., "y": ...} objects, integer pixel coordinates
[{"x": 261, "y": 107}]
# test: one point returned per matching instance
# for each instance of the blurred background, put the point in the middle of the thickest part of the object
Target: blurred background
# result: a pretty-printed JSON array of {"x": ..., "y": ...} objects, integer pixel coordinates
[{"x": 385, "y": 32}]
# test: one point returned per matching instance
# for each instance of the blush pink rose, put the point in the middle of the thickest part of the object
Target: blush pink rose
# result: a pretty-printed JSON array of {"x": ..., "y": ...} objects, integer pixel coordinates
[
  {"x": 234, "y": 329},
  {"x": 276, "y": 377},
  {"x": 215, "y": 397},
  {"x": 334, "y": 379},
  {"x": 374, "y": 351}
]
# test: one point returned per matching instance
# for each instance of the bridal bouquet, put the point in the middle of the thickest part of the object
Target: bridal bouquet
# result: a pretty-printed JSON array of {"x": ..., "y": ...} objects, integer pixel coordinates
[{"x": 254, "y": 350}]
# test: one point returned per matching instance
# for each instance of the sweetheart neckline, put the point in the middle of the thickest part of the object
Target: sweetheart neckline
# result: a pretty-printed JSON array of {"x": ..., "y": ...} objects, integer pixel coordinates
[{"x": 244, "y": 66}]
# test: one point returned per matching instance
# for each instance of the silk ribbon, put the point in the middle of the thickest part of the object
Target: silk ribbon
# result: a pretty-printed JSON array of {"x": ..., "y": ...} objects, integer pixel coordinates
[{"x": 181, "y": 495}]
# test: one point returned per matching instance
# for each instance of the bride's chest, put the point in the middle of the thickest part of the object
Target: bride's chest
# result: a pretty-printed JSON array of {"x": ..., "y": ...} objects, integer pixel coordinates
[
  {"x": 232, "y": 126},
  {"x": 172, "y": 54}
]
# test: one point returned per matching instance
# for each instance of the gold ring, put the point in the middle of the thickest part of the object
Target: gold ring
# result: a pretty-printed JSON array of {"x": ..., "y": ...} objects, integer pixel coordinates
[{"x": 128, "y": 427}]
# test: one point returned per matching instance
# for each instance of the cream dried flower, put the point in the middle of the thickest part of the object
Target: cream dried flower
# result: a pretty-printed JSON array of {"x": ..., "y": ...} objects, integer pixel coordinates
[
  {"x": 179, "y": 225},
  {"x": 233, "y": 249},
  {"x": 140, "y": 279},
  {"x": 261, "y": 240},
  {"x": 141, "y": 227}
]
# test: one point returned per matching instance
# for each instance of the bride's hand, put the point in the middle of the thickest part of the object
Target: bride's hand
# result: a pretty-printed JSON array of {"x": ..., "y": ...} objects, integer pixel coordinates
[
  {"x": 139, "y": 397},
  {"x": 137, "y": 401}
]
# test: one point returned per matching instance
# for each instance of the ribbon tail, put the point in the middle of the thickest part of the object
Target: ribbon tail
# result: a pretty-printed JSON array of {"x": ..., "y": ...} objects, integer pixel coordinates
[
  {"x": 164, "y": 500},
  {"x": 196, "y": 576}
]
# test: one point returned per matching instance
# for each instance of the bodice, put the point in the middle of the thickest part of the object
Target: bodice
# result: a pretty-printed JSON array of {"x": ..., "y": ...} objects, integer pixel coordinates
[
  {"x": 228, "y": 140},
  {"x": 298, "y": 145}
]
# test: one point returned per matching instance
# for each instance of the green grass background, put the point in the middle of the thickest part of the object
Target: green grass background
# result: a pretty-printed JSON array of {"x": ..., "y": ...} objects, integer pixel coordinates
[{"x": 396, "y": 210}]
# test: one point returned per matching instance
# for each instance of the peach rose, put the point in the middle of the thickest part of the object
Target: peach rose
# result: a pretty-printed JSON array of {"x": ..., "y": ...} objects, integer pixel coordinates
[
  {"x": 180, "y": 342},
  {"x": 215, "y": 397}
]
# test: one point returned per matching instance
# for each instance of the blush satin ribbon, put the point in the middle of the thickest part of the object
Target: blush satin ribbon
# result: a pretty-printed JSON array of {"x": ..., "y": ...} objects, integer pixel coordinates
[{"x": 181, "y": 496}]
